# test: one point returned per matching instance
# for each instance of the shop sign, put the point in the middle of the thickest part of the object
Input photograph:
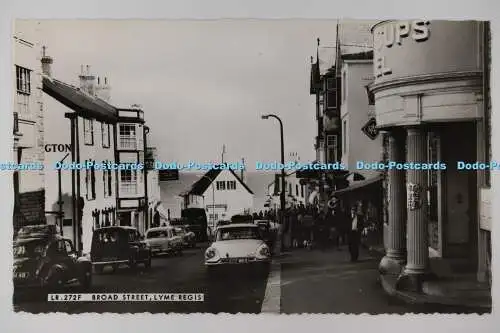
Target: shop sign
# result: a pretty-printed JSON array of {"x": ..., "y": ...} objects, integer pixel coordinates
[
  {"x": 370, "y": 129},
  {"x": 414, "y": 196},
  {"x": 393, "y": 35}
]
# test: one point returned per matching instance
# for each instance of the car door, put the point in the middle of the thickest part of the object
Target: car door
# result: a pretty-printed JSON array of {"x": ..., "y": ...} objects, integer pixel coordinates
[
  {"x": 143, "y": 248},
  {"x": 176, "y": 239}
]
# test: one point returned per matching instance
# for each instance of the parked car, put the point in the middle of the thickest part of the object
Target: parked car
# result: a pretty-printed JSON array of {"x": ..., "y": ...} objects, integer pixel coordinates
[
  {"x": 196, "y": 219},
  {"x": 188, "y": 237},
  {"x": 237, "y": 245},
  {"x": 268, "y": 234},
  {"x": 49, "y": 261},
  {"x": 164, "y": 240},
  {"x": 117, "y": 245}
]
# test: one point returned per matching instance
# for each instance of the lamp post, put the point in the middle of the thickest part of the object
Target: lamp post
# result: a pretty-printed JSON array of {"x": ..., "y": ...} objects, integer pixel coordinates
[
  {"x": 282, "y": 192},
  {"x": 213, "y": 196},
  {"x": 60, "y": 201}
]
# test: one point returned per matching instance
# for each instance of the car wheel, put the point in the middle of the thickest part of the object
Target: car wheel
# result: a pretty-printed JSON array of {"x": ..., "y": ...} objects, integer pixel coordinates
[
  {"x": 132, "y": 263},
  {"x": 87, "y": 280},
  {"x": 147, "y": 263}
]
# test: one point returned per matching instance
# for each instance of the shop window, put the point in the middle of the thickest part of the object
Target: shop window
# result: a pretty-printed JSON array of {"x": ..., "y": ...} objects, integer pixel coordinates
[
  {"x": 88, "y": 132},
  {"x": 90, "y": 183}
]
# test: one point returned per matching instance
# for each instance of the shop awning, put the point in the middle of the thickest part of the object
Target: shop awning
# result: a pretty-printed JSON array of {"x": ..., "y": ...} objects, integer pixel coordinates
[{"x": 359, "y": 185}]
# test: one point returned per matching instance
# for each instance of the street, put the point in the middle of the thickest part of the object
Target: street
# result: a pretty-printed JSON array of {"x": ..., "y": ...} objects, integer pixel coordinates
[
  {"x": 301, "y": 282},
  {"x": 181, "y": 274}
]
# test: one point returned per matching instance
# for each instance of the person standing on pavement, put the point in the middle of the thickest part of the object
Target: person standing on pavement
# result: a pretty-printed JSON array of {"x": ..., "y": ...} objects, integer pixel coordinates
[{"x": 355, "y": 233}]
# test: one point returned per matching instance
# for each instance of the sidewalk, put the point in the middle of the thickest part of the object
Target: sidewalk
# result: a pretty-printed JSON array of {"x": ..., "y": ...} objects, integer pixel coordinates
[
  {"x": 455, "y": 287},
  {"x": 327, "y": 282}
]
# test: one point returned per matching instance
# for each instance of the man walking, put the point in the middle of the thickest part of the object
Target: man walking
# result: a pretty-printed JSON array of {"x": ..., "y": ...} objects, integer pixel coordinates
[{"x": 355, "y": 234}]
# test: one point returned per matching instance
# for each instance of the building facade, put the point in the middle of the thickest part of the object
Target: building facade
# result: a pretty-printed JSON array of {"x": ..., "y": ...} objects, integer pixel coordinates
[
  {"x": 87, "y": 195},
  {"x": 222, "y": 193},
  {"x": 153, "y": 188},
  {"x": 132, "y": 199},
  {"x": 296, "y": 192},
  {"x": 434, "y": 112},
  {"x": 28, "y": 128}
]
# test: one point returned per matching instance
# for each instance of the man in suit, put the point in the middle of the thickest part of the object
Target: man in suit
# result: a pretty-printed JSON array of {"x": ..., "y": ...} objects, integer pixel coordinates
[{"x": 355, "y": 233}]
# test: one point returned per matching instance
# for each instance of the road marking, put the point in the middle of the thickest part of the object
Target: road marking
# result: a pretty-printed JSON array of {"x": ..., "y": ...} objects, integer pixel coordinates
[{"x": 272, "y": 297}]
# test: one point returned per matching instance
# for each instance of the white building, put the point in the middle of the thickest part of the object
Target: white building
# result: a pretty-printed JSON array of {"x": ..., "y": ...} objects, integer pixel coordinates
[
  {"x": 88, "y": 195},
  {"x": 296, "y": 191},
  {"x": 355, "y": 112},
  {"x": 155, "y": 209},
  {"x": 222, "y": 193},
  {"x": 28, "y": 128}
]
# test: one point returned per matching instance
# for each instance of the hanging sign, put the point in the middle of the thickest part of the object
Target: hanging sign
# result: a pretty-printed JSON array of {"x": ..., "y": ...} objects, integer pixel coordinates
[{"x": 370, "y": 129}]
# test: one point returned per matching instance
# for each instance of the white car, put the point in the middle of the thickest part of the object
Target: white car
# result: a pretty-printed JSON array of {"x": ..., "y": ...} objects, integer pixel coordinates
[
  {"x": 237, "y": 245},
  {"x": 164, "y": 240}
]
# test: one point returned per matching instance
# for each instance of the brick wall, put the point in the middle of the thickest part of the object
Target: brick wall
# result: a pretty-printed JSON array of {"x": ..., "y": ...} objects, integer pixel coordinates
[{"x": 31, "y": 209}]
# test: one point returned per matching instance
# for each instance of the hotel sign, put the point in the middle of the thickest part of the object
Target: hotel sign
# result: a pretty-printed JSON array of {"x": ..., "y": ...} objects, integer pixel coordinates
[
  {"x": 411, "y": 48},
  {"x": 393, "y": 35},
  {"x": 370, "y": 129}
]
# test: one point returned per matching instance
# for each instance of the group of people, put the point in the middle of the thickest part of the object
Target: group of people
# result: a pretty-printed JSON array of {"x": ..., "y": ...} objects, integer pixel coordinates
[{"x": 305, "y": 226}]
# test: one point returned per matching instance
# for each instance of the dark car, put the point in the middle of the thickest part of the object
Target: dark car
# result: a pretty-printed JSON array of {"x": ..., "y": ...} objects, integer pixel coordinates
[
  {"x": 241, "y": 218},
  {"x": 49, "y": 261},
  {"x": 116, "y": 245},
  {"x": 196, "y": 220}
]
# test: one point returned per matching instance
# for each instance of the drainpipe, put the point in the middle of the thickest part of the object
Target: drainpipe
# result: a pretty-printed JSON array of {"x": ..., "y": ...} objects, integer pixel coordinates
[
  {"x": 78, "y": 195},
  {"x": 71, "y": 117},
  {"x": 146, "y": 199}
]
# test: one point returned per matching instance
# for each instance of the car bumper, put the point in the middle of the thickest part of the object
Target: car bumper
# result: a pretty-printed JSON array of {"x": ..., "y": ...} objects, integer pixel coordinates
[
  {"x": 238, "y": 262},
  {"x": 110, "y": 262}
]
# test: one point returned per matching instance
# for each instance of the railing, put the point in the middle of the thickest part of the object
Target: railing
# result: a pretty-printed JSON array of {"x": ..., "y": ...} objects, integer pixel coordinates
[{"x": 128, "y": 142}]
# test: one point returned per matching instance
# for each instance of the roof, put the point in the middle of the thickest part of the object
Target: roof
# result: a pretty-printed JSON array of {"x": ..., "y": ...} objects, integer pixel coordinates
[
  {"x": 358, "y": 56},
  {"x": 359, "y": 184},
  {"x": 238, "y": 225},
  {"x": 200, "y": 186},
  {"x": 82, "y": 103}
]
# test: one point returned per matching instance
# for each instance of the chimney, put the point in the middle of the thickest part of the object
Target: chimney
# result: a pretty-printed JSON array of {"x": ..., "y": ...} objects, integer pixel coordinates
[
  {"x": 46, "y": 62},
  {"x": 87, "y": 81},
  {"x": 102, "y": 91}
]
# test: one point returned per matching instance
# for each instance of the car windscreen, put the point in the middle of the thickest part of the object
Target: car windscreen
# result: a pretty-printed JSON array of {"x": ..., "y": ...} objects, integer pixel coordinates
[
  {"x": 224, "y": 234},
  {"x": 156, "y": 234},
  {"x": 107, "y": 236},
  {"x": 31, "y": 249}
]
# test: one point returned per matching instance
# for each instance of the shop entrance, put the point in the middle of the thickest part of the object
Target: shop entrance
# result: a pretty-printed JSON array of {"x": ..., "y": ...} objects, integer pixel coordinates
[{"x": 460, "y": 191}]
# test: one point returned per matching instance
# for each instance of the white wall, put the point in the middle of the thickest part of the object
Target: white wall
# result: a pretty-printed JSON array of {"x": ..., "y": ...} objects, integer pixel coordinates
[
  {"x": 236, "y": 200},
  {"x": 355, "y": 110}
]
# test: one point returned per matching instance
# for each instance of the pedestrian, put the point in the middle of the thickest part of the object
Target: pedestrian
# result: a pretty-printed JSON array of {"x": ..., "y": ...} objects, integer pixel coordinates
[
  {"x": 332, "y": 224},
  {"x": 355, "y": 233}
]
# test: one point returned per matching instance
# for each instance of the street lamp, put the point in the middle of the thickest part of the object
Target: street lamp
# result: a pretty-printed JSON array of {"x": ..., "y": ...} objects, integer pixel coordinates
[
  {"x": 213, "y": 196},
  {"x": 282, "y": 193}
]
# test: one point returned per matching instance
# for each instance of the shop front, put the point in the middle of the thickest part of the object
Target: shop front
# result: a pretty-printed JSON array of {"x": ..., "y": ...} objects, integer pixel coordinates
[{"x": 428, "y": 90}]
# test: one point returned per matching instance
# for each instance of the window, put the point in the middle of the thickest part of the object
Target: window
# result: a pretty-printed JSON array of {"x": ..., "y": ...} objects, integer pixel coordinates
[
  {"x": 107, "y": 181},
  {"x": 88, "y": 131},
  {"x": 128, "y": 181},
  {"x": 16, "y": 123},
  {"x": 331, "y": 84},
  {"x": 128, "y": 136},
  {"x": 290, "y": 188},
  {"x": 213, "y": 217},
  {"x": 220, "y": 185},
  {"x": 344, "y": 136},
  {"x": 105, "y": 135},
  {"x": 23, "y": 85},
  {"x": 23, "y": 80},
  {"x": 297, "y": 190},
  {"x": 90, "y": 183},
  {"x": 331, "y": 146},
  {"x": 331, "y": 99},
  {"x": 301, "y": 191},
  {"x": 231, "y": 184},
  {"x": 344, "y": 86}
]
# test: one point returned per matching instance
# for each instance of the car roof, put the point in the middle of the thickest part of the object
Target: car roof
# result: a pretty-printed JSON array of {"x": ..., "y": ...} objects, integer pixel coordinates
[
  {"x": 39, "y": 238},
  {"x": 237, "y": 225},
  {"x": 168, "y": 227}
]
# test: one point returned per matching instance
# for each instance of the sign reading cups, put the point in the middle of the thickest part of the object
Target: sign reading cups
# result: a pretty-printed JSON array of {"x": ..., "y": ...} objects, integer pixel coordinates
[{"x": 404, "y": 49}]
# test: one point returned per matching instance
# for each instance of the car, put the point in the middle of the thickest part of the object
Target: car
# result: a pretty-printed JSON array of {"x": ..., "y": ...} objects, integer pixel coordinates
[
  {"x": 164, "y": 240},
  {"x": 268, "y": 234},
  {"x": 48, "y": 261},
  {"x": 117, "y": 245},
  {"x": 237, "y": 245},
  {"x": 196, "y": 219},
  {"x": 188, "y": 237}
]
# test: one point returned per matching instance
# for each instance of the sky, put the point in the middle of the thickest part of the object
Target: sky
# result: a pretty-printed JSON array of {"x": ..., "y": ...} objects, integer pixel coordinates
[{"x": 202, "y": 84}]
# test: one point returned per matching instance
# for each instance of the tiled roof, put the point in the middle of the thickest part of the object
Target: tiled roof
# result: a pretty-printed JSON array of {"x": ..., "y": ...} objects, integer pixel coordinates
[
  {"x": 206, "y": 180},
  {"x": 79, "y": 101}
]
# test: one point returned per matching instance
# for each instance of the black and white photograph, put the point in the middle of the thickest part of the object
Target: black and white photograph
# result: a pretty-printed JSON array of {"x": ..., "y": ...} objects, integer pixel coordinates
[{"x": 245, "y": 166}]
